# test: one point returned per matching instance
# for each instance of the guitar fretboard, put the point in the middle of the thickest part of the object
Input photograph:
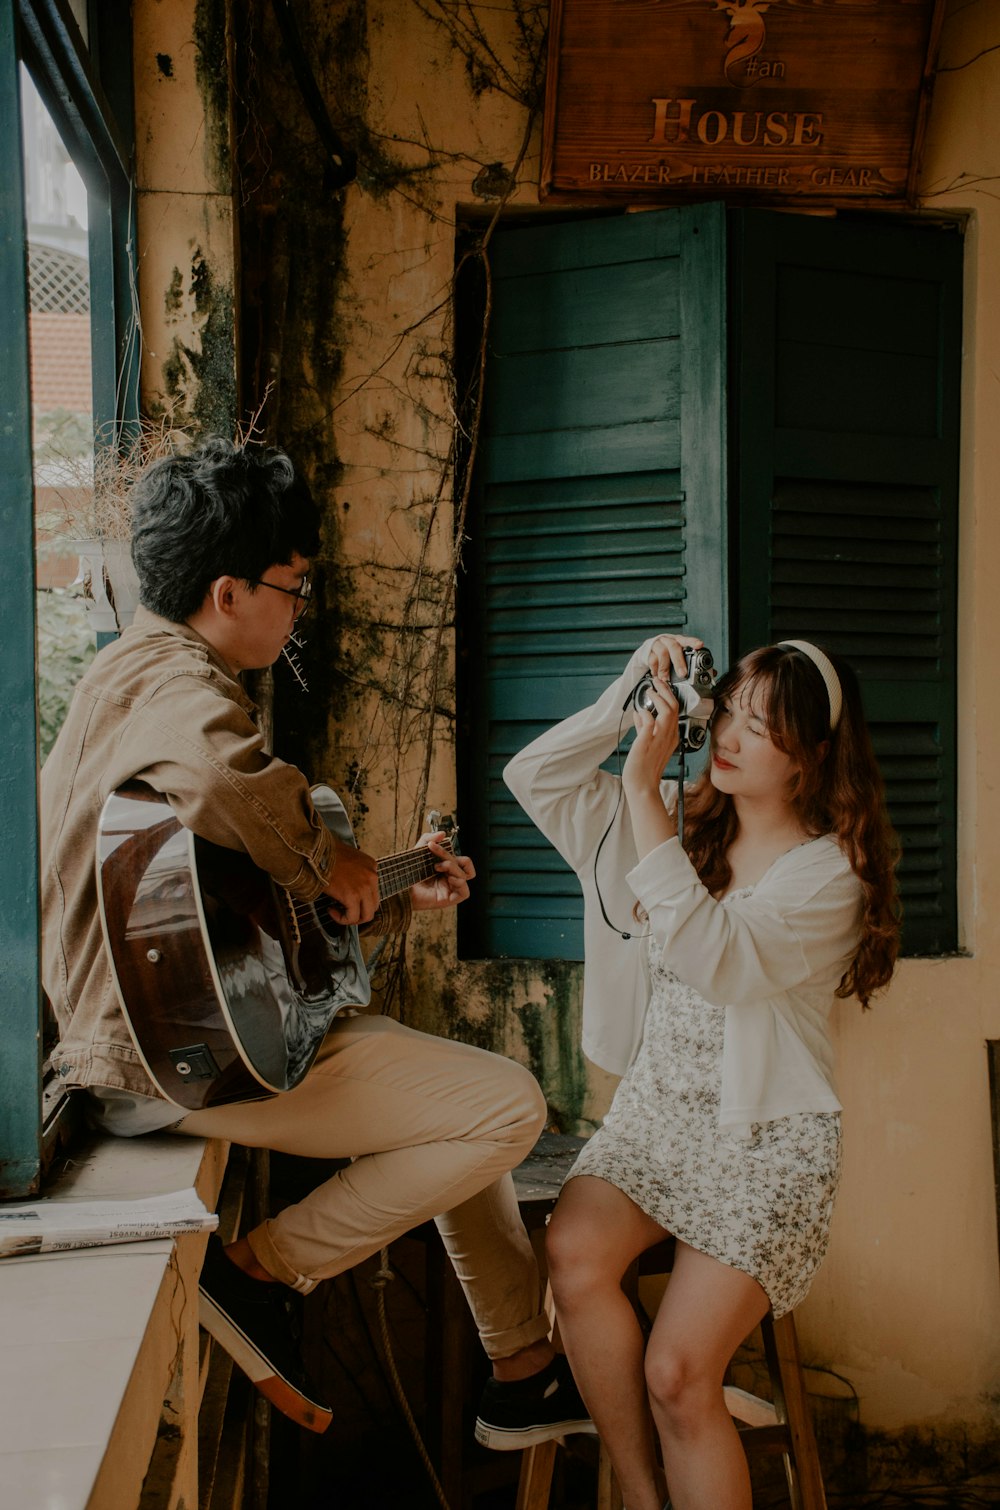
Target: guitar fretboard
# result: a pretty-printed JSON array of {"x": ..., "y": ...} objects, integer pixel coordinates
[{"x": 398, "y": 872}]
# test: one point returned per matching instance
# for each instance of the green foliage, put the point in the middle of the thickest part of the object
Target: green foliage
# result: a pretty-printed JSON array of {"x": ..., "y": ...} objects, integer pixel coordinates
[
  {"x": 66, "y": 647},
  {"x": 60, "y": 434}
]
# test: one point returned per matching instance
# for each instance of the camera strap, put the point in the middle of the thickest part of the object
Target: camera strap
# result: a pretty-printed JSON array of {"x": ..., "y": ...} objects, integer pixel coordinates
[
  {"x": 611, "y": 823},
  {"x": 681, "y": 778},
  {"x": 597, "y": 885},
  {"x": 682, "y": 774}
]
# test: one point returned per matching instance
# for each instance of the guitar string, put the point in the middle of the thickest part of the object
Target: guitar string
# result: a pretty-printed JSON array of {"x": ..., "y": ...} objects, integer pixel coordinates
[
  {"x": 398, "y": 872},
  {"x": 402, "y": 870}
]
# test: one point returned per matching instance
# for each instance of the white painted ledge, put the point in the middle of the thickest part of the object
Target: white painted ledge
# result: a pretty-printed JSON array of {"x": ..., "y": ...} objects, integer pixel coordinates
[{"x": 92, "y": 1338}]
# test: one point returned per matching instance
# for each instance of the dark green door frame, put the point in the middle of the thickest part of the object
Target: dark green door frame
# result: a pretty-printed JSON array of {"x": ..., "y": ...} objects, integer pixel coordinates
[
  {"x": 44, "y": 35},
  {"x": 20, "y": 995}
]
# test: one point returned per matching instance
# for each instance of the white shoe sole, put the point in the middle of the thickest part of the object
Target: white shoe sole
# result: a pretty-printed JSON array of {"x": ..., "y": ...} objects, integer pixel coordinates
[{"x": 512, "y": 1439}]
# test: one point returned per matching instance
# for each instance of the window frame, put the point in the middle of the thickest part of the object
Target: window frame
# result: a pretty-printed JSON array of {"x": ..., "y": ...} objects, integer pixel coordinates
[
  {"x": 932, "y": 927},
  {"x": 75, "y": 82}
]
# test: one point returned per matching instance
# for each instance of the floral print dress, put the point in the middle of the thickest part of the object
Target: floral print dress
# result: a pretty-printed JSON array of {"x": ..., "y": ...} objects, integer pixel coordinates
[{"x": 761, "y": 1205}]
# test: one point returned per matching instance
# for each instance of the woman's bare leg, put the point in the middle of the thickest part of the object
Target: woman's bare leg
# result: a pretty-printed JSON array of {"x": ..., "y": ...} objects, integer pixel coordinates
[
  {"x": 707, "y": 1311},
  {"x": 594, "y": 1234}
]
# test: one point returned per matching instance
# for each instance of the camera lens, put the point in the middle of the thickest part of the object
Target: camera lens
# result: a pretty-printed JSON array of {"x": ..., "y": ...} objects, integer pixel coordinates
[{"x": 644, "y": 696}]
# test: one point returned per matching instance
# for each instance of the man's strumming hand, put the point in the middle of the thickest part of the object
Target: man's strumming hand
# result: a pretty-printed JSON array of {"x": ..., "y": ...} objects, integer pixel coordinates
[{"x": 353, "y": 885}]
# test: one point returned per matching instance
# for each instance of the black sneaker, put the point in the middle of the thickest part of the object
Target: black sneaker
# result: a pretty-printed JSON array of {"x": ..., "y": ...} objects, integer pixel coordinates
[
  {"x": 249, "y": 1320},
  {"x": 522, "y": 1412}
]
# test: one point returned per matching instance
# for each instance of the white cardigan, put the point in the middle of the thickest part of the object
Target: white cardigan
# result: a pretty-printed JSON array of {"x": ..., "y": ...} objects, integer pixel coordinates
[{"x": 773, "y": 958}]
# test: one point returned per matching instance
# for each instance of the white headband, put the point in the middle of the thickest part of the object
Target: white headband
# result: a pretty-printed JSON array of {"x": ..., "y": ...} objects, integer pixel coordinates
[{"x": 824, "y": 666}]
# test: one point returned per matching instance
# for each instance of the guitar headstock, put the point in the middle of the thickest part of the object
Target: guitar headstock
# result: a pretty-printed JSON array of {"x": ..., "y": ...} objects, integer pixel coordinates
[{"x": 444, "y": 823}]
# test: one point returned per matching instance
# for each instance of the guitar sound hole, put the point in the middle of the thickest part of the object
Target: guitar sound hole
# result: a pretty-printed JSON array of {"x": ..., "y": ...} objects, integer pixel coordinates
[{"x": 338, "y": 943}]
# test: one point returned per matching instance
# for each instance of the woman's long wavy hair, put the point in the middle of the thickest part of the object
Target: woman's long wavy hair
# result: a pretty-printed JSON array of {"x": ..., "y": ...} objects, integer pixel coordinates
[{"x": 837, "y": 790}]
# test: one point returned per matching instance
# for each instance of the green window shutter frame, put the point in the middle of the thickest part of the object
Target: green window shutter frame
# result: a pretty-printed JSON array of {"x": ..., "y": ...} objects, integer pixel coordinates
[
  {"x": 847, "y": 395},
  {"x": 88, "y": 92},
  {"x": 44, "y": 35},
  {"x": 600, "y": 516},
  {"x": 20, "y": 1005}
]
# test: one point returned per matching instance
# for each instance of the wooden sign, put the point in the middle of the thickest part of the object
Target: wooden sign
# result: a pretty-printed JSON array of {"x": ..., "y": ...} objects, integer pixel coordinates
[{"x": 767, "y": 101}]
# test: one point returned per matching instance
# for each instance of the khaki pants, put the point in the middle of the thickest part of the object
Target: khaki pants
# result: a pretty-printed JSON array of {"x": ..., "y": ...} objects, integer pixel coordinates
[{"x": 433, "y": 1128}]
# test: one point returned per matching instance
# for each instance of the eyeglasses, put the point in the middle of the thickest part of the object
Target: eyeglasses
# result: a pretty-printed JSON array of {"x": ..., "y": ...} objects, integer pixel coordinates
[{"x": 303, "y": 593}]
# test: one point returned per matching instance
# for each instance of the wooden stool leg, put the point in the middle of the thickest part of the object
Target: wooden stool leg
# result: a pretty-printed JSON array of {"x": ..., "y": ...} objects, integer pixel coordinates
[
  {"x": 535, "y": 1483},
  {"x": 781, "y": 1347}
]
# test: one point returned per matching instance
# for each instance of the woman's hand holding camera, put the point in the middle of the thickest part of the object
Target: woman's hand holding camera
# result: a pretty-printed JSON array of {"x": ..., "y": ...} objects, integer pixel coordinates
[
  {"x": 666, "y": 654},
  {"x": 656, "y": 739}
]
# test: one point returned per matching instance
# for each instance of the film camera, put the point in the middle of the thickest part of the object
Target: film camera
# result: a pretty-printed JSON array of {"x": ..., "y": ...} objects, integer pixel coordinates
[{"x": 693, "y": 692}]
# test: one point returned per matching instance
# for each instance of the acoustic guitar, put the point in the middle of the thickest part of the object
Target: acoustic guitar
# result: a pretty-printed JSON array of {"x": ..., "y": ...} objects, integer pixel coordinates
[{"x": 228, "y": 984}]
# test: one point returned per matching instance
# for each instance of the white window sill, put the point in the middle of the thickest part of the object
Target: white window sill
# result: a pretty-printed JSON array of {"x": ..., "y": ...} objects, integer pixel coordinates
[{"x": 76, "y": 1325}]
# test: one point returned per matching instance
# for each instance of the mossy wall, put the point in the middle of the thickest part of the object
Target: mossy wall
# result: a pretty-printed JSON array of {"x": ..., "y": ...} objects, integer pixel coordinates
[
  {"x": 348, "y": 342},
  {"x": 184, "y": 216}
]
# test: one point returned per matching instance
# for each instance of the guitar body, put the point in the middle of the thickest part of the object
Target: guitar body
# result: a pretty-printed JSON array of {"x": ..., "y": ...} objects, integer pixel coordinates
[{"x": 227, "y": 985}]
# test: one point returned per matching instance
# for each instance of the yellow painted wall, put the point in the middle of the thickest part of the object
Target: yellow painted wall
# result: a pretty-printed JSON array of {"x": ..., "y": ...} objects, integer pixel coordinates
[
  {"x": 908, "y": 1305},
  {"x": 907, "y": 1308},
  {"x": 185, "y": 239}
]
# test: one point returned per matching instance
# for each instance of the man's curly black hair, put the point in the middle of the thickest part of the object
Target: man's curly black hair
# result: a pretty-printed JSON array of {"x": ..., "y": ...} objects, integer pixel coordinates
[{"x": 216, "y": 510}]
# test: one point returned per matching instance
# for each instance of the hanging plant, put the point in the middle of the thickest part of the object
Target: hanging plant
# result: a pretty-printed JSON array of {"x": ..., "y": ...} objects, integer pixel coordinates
[{"x": 96, "y": 525}]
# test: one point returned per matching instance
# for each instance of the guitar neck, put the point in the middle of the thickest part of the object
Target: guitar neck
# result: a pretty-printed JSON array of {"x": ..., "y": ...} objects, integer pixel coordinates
[{"x": 397, "y": 873}]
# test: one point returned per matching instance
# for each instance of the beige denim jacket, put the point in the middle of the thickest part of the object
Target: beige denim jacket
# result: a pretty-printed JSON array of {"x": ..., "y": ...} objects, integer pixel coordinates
[{"x": 158, "y": 705}]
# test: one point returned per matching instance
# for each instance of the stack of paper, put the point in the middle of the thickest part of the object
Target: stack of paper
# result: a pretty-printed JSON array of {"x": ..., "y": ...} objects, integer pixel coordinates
[{"x": 46, "y": 1226}]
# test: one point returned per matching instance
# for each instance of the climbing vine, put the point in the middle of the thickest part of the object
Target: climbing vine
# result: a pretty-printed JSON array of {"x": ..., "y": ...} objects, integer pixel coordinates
[{"x": 390, "y": 611}]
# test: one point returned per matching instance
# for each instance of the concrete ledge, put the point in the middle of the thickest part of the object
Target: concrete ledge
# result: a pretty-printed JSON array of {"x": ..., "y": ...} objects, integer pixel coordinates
[{"x": 100, "y": 1344}]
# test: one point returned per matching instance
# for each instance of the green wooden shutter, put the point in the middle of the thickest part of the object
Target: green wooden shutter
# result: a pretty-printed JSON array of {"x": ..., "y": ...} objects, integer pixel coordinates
[
  {"x": 599, "y": 516},
  {"x": 20, "y": 1014},
  {"x": 848, "y": 340}
]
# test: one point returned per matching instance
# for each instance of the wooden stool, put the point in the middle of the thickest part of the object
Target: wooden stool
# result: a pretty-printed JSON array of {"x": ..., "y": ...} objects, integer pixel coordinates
[{"x": 783, "y": 1426}]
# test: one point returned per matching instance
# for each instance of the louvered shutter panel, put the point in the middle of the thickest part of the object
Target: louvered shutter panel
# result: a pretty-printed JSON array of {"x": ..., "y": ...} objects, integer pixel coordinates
[
  {"x": 591, "y": 497},
  {"x": 847, "y": 439}
]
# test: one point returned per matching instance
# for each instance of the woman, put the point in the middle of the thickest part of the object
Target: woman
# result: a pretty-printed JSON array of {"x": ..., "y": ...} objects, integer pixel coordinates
[{"x": 725, "y": 1129}]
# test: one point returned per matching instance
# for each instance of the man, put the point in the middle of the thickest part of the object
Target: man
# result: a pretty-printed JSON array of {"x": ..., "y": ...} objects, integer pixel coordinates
[{"x": 222, "y": 543}]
